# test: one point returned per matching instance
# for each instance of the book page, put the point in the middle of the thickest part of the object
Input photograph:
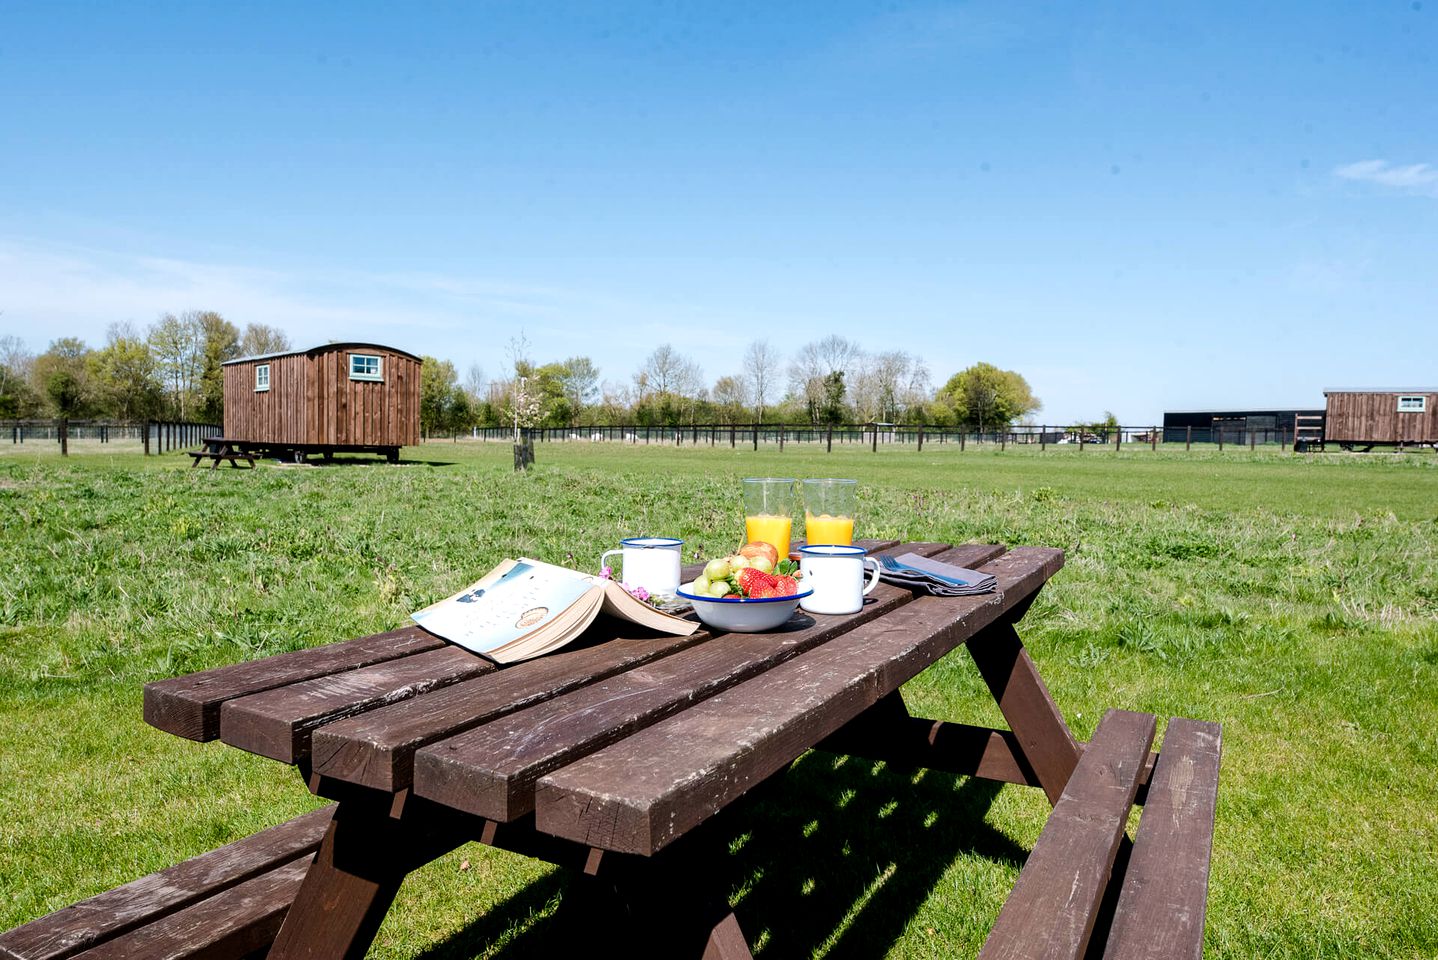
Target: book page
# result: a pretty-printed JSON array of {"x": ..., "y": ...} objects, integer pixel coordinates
[{"x": 494, "y": 612}]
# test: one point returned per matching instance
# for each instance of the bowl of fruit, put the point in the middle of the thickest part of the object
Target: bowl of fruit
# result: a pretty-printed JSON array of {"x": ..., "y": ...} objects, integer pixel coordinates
[{"x": 746, "y": 592}]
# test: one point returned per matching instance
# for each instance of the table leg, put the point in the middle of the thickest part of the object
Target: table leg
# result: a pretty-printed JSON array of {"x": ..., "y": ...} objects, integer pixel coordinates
[
  {"x": 1047, "y": 744},
  {"x": 363, "y": 859}
]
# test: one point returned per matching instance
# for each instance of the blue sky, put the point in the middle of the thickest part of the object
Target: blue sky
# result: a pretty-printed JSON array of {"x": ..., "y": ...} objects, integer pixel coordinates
[{"x": 1139, "y": 206}]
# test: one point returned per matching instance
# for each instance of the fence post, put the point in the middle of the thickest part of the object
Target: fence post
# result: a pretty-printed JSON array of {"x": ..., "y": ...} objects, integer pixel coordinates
[
  {"x": 756, "y": 438},
  {"x": 1220, "y": 439},
  {"x": 1153, "y": 438},
  {"x": 1117, "y": 438},
  {"x": 874, "y": 440},
  {"x": 961, "y": 441},
  {"x": 1003, "y": 441},
  {"x": 1252, "y": 440},
  {"x": 147, "y": 438},
  {"x": 829, "y": 439},
  {"x": 1188, "y": 438},
  {"x": 781, "y": 438},
  {"x": 732, "y": 430},
  {"x": 921, "y": 439},
  {"x": 1043, "y": 437}
]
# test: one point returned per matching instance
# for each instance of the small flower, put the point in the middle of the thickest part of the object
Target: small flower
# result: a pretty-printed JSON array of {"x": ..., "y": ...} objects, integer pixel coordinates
[{"x": 607, "y": 573}]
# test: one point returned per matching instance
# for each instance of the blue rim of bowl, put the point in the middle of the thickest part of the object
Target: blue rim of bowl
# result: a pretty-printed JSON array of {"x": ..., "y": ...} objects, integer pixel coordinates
[{"x": 793, "y": 596}]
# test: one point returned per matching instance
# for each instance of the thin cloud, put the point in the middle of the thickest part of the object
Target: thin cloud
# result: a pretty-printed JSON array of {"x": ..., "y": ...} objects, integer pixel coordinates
[{"x": 1419, "y": 178}]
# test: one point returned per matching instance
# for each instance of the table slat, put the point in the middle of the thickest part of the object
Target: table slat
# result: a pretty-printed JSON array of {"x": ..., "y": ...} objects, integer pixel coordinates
[
  {"x": 277, "y": 723},
  {"x": 643, "y": 792},
  {"x": 189, "y": 706}
]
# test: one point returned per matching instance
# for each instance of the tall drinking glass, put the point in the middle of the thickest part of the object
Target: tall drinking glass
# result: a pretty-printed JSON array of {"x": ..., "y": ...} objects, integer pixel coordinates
[
  {"x": 829, "y": 510},
  {"x": 769, "y": 511}
]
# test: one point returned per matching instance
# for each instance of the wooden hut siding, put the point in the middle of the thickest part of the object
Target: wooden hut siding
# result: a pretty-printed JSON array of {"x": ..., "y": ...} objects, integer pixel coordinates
[
  {"x": 312, "y": 402},
  {"x": 1374, "y": 417}
]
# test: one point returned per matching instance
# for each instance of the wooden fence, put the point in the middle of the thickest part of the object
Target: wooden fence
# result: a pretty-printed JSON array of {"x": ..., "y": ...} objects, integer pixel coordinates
[
  {"x": 890, "y": 435},
  {"x": 156, "y": 436}
]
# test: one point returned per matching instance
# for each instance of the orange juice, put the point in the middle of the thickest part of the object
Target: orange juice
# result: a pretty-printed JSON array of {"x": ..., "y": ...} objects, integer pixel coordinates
[
  {"x": 771, "y": 529},
  {"x": 828, "y": 529}
]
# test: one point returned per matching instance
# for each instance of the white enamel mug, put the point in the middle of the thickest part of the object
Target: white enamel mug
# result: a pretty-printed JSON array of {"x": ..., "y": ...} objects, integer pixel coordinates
[
  {"x": 836, "y": 575},
  {"x": 648, "y": 562}
]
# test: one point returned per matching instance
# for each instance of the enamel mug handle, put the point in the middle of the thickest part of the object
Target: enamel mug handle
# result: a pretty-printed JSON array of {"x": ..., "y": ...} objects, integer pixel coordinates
[
  {"x": 874, "y": 580},
  {"x": 603, "y": 560}
]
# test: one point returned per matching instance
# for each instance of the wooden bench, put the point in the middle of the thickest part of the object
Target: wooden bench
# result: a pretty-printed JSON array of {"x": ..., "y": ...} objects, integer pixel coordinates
[
  {"x": 1085, "y": 890},
  {"x": 222, "y": 905}
]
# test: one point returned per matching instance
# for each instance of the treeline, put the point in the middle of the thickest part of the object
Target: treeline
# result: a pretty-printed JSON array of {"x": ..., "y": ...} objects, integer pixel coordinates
[
  {"x": 169, "y": 371},
  {"x": 173, "y": 370},
  {"x": 828, "y": 381}
]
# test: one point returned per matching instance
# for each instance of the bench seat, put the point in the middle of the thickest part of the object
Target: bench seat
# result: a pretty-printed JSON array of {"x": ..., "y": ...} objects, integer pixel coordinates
[
  {"x": 1086, "y": 891},
  {"x": 221, "y": 905},
  {"x": 216, "y": 456}
]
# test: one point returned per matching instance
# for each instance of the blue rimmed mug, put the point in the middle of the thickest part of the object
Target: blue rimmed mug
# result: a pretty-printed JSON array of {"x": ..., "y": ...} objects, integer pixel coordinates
[
  {"x": 835, "y": 573},
  {"x": 648, "y": 562}
]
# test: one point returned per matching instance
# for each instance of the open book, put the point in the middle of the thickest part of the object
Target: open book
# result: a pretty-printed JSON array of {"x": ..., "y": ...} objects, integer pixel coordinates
[{"x": 523, "y": 608}]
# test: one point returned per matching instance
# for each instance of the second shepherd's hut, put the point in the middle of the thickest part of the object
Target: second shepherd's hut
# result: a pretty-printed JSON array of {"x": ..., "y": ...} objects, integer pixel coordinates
[{"x": 336, "y": 398}]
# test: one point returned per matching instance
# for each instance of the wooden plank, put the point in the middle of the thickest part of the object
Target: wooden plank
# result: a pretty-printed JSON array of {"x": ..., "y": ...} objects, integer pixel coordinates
[
  {"x": 1164, "y": 897},
  {"x": 1051, "y": 911},
  {"x": 641, "y": 793},
  {"x": 107, "y": 915},
  {"x": 490, "y": 770},
  {"x": 376, "y": 749},
  {"x": 277, "y": 723},
  {"x": 231, "y": 925},
  {"x": 189, "y": 706}
]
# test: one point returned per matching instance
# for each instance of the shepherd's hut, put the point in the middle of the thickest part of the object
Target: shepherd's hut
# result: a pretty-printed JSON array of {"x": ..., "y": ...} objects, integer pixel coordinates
[{"x": 337, "y": 398}]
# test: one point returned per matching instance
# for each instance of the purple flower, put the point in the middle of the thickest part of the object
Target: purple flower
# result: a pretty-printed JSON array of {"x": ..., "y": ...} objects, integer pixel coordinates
[{"x": 607, "y": 573}]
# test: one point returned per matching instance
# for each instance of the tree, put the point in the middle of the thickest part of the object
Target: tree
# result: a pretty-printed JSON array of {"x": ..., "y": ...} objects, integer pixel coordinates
[
  {"x": 60, "y": 374},
  {"x": 761, "y": 370},
  {"x": 983, "y": 396},
  {"x": 730, "y": 397},
  {"x": 17, "y": 397},
  {"x": 812, "y": 368},
  {"x": 220, "y": 342},
  {"x": 443, "y": 407},
  {"x": 669, "y": 387},
  {"x": 124, "y": 376},
  {"x": 178, "y": 345},
  {"x": 832, "y": 408},
  {"x": 260, "y": 339},
  {"x": 579, "y": 380}
]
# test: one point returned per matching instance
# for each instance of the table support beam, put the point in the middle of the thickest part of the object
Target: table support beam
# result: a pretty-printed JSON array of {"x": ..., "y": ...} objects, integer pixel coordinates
[
  {"x": 1042, "y": 735},
  {"x": 361, "y": 863}
]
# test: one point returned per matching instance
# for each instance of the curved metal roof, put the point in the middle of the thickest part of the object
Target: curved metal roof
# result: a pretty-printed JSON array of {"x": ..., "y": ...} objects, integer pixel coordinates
[{"x": 338, "y": 345}]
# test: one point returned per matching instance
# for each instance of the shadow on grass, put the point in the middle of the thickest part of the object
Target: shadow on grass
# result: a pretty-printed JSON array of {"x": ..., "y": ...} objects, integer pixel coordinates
[{"x": 837, "y": 855}]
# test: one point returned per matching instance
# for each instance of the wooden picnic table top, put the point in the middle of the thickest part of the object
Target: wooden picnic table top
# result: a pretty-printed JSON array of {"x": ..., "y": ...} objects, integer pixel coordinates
[{"x": 619, "y": 745}]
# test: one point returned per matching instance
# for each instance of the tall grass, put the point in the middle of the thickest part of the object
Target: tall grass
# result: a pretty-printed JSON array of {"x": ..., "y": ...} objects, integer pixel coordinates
[{"x": 1295, "y": 600}]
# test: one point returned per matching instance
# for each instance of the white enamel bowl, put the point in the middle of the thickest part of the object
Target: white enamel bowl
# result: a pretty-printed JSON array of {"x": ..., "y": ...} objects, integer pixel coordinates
[{"x": 733, "y": 615}]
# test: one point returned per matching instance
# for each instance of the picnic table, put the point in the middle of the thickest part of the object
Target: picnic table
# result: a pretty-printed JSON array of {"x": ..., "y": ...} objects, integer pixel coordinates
[
  {"x": 216, "y": 449},
  {"x": 620, "y": 758}
]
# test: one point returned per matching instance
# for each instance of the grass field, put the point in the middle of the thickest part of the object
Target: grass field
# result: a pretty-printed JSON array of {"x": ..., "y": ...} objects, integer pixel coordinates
[{"x": 1293, "y": 599}]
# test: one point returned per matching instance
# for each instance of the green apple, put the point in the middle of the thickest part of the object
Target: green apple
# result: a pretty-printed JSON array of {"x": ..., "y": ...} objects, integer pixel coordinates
[
  {"x": 719, "y": 588},
  {"x": 737, "y": 563},
  {"x": 699, "y": 587},
  {"x": 716, "y": 569},
  {"x": 762, "y": 564}
]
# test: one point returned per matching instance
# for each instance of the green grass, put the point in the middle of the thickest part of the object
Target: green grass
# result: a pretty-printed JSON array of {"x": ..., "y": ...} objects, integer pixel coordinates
[{"x": 1293, "y": 599}]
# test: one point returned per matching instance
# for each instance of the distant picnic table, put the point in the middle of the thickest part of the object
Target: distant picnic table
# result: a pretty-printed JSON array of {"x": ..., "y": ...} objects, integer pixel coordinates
[
  {"x": 216, "y": 449},
  {"x": 618, "y": 758}
]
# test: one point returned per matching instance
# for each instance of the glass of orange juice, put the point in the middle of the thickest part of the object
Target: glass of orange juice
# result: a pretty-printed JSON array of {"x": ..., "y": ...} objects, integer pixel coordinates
[
  {"x": 829, "y": 511},
  {"x": 769, "y": 511}
]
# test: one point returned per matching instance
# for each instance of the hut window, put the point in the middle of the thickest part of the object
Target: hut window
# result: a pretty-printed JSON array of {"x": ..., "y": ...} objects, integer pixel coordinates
[
  {"x": 1412, "y": 404},
  {"x": 262, "y": 377},
  {"x": 365, "y": 366}
]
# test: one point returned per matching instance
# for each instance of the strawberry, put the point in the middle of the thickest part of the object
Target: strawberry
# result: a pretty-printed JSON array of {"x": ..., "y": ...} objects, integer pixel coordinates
[
  {"x": 751, "y": 580},
  {"x": 785, "y": 586},
  {"x": 765, "y": 591}
]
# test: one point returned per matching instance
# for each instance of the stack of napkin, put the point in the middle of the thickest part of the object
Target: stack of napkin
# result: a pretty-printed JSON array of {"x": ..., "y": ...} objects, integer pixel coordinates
[{"x": 932, "y": 577}]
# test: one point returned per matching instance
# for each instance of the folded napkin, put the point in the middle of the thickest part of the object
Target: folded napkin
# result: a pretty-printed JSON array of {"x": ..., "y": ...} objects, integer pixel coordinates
[{"x": 935, "y": 578}]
